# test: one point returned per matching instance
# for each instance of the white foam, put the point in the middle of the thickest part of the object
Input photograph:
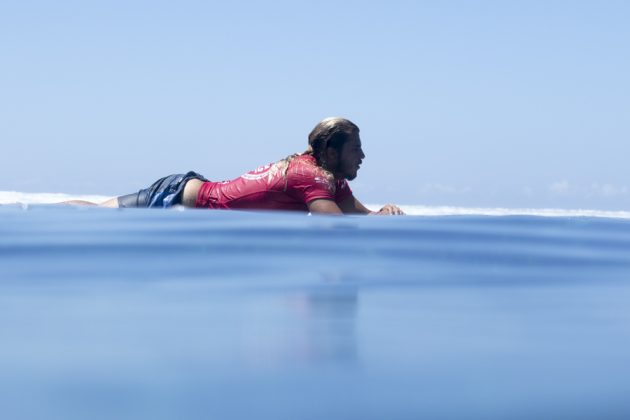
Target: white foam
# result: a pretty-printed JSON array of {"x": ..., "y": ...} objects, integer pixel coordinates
[
  {"x": 502, "y": 211},
  {"x": 15, "y": 197}
]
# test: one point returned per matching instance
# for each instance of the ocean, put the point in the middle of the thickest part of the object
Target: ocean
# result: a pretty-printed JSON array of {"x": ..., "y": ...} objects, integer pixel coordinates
[{"x": 198, "y": 314}]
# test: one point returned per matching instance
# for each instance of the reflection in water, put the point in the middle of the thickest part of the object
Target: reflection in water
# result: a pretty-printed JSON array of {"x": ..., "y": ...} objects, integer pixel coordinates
[{"x": 329, "y": 325}]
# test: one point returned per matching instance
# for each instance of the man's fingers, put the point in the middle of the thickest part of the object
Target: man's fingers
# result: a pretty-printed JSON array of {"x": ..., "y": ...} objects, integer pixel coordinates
[{"x": 391, "y": 209}]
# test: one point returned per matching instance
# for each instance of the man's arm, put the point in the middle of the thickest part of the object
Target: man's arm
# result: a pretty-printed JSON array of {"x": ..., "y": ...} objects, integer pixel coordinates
[
  {"x": 353, "y": 206},
  {"x": 349, "y": 206},
  {"x": 323, "y": 206}
]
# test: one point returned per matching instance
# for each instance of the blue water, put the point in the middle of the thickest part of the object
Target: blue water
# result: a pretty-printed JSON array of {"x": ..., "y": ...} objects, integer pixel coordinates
[{"x": 149, "y": 314}]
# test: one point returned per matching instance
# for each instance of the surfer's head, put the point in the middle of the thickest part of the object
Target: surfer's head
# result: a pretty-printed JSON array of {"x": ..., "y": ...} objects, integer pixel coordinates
[{"x": 335, "y": 144}]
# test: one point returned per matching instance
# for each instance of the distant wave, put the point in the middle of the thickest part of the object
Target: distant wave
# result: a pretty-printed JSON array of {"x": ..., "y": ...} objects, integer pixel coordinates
[
  {"x": 501, "y": 211},
  {"x": 14, "y": 197}
]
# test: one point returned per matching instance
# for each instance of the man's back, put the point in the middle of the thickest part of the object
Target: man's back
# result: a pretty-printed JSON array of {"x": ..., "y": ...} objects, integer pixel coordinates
[{"x": 275, "y": 187}]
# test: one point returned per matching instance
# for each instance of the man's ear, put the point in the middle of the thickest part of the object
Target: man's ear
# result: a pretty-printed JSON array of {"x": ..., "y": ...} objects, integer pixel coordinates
[{"x": 331, "y": 157}]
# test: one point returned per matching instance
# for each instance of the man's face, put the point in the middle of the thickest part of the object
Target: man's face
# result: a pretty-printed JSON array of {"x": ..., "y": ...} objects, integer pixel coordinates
[{"x": 350, "y": 158}]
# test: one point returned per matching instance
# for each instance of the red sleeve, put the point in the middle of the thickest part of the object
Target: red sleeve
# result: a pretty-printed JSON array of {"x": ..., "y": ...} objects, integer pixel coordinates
[{"x": 307, "y": 185}]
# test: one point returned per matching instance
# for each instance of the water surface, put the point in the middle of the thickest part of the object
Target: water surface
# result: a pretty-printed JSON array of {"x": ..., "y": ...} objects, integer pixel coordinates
[{"x": 134, "y": 314}]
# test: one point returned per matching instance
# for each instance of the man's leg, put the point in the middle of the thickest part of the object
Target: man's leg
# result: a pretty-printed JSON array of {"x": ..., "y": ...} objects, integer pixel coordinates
[
  {"x": 163, "y": 193},
  {"x": 139, "y": 199},
  {"x": 112, "y": 202}
]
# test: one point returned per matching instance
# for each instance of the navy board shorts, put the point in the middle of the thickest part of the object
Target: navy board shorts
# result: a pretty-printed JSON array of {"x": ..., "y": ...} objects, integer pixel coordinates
[{"x": 163, "y": 193}]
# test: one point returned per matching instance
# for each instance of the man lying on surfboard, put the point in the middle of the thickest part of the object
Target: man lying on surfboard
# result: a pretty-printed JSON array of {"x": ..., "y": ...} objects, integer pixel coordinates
[{"x": 314, "y": 181}]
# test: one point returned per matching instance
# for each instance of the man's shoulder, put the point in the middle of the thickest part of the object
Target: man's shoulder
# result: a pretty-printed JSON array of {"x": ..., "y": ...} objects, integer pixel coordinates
[
  {"x": 303, "y": 171},
  {"x": 306, "y": 166}
]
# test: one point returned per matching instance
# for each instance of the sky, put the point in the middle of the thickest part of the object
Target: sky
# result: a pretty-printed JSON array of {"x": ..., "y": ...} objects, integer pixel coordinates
[{"x": 462, "y": 103}]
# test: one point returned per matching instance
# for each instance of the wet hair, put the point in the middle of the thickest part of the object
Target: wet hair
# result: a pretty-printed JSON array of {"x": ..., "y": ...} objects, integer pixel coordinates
[{"x": 329, "y": 132}]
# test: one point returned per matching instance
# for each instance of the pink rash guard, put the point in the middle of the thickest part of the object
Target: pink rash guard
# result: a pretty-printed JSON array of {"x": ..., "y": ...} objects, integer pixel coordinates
[{"x": 268, "y": 188}]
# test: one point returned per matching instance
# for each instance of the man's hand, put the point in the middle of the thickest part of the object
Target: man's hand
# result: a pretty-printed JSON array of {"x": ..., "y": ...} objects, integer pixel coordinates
[{"x": 389, "y": 210}]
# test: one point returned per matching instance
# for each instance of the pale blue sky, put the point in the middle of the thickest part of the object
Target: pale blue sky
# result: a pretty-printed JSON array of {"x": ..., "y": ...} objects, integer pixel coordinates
[{"x": 469, "y": 103}]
